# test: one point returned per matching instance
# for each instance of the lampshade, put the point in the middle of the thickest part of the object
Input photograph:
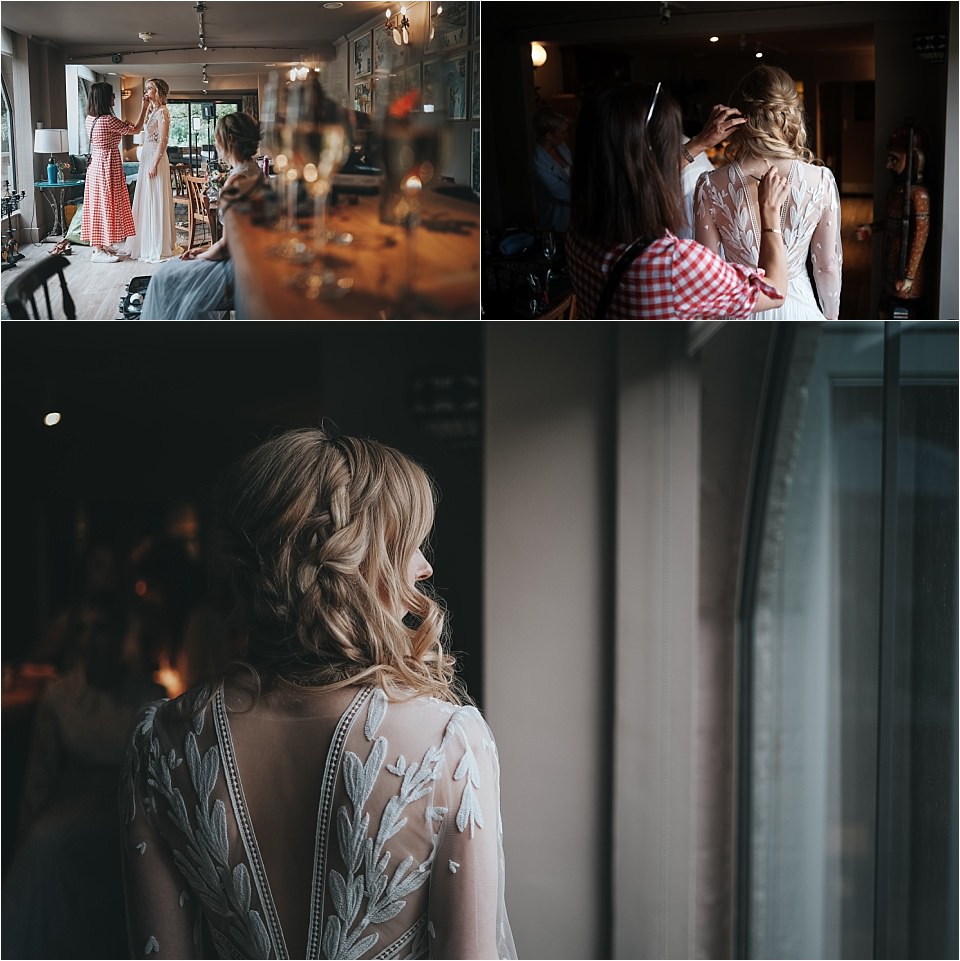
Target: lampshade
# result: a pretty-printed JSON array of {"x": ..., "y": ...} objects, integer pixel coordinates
[
  {"x": 50, "y": 140},
  {"x": 538, "y": 54}
]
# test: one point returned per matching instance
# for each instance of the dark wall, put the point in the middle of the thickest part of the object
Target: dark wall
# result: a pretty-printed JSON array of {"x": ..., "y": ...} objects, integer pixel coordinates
[{"x": 152, "y": 414}]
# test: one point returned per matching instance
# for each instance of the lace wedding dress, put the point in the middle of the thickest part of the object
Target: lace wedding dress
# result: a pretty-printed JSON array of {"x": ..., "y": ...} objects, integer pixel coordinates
[
  {"x": 153, "y": 214},
  {"x": 311, "y": 824},
  {"x": 726, "y": 220}
]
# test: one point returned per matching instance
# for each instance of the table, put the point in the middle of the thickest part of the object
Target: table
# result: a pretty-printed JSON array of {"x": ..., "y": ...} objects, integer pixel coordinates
[
  {"x": 55, "y": 193},
  {"x": 446, "y": 264}
]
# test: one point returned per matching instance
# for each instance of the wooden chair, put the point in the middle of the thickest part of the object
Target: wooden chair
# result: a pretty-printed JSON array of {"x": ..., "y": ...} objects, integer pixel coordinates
[
  {"x": 198, "y": 210},
  {"x": 565, "y": 309},
  {"x": 180, "y": 196},
  {"x": 21, "y": 293}
]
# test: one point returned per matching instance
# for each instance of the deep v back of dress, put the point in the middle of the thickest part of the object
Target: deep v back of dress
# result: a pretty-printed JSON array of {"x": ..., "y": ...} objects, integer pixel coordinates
[{"x": 726, "y": 221}]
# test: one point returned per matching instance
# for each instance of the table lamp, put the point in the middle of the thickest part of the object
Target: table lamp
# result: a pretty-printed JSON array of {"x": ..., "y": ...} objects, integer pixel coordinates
[{"x": 51, "y": 140}]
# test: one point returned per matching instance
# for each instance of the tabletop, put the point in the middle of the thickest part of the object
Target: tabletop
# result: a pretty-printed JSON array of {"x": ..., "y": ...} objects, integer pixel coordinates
[
  {"x": 40, "y": 185},
  {"x": 372, "y": 269}
]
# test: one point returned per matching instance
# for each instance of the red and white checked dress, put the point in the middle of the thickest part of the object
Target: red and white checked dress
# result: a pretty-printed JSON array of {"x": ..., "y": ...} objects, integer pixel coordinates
[
  {"x": 107, "y": 218},
  {"x": 673, "y": 279}
]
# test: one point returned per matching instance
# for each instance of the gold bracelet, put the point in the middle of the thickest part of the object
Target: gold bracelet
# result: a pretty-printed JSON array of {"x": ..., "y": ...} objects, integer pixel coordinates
[
  {"x": 688, "y": 156},
  {"x": 770, "y": 230}
]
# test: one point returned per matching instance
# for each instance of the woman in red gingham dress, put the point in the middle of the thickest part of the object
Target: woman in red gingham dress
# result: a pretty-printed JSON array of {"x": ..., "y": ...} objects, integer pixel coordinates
[
  {"x": 626, "y": 188},
  {"x": 107, "y": 218}
]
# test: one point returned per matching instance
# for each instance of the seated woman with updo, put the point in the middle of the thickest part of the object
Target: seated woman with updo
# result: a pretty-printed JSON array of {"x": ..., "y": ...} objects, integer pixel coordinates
[{"x": 199, "y": 285}]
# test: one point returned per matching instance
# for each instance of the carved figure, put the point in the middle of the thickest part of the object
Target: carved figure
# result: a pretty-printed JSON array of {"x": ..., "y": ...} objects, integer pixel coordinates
[{"x": 906, "y": 226}]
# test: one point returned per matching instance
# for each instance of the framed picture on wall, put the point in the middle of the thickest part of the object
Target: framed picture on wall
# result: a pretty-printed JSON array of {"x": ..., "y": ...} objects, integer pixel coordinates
[
  {"x": 455, "y": 75},
  {"x": 387, "y": 56},
  {"x": 412, "y": 79},
  {"x": 475, "y": 160},
  {"x": 433, "y": 85},
  {"x": 475, "y": 85},
  {"x": 362, "y": 55},
  {"x": 448, "y": 27},
  {"x": 363, "y": 96}
]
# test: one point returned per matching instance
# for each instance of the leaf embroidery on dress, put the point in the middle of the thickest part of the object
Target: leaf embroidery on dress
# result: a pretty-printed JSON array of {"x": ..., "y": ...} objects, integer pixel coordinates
[
  {"x": 454, "y": 867},
  {"x": 142, "y": 847},
  {"x": 204, "y": 858},
  {"x": 152, "y": 946},
  {"x": 365, "y": 858}
]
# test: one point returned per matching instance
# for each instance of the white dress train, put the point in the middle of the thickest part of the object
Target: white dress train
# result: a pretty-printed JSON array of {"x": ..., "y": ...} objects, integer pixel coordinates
[
  {"x": 153, "y": 213},
  {"x": 728, "y": 223}
]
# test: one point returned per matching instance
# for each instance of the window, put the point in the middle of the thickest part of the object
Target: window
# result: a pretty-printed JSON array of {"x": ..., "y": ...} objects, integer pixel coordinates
[
  {"x": 8, "y": 167},
  {"x": 848, "y": 804},
  {"x": 190, "y": 130}
]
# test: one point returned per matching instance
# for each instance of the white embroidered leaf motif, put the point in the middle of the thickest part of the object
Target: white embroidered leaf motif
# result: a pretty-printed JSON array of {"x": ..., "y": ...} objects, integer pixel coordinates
[
  {"x": 375, "y": 714},
  {"x": 152, "y": 946},
  {"x": 454, "y": 867},
  {"x": 399, "y": 768},
  {"x": 142, "y": 847}
]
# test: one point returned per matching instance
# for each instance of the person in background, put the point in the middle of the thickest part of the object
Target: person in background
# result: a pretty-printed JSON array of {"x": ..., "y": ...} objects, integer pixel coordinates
[
  {"x": 624, "y": 256},
  {"x": 774, "y": 137},
  {"x": 63, "y": 895},
  {"x": 552, "y": 166},
  {"x": 338, "y": 797},
  {"x": 107, "y": 217}
]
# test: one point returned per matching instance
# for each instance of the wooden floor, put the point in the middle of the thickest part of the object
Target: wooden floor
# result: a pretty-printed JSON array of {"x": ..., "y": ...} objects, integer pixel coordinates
[{"x": 96, "y": 289}]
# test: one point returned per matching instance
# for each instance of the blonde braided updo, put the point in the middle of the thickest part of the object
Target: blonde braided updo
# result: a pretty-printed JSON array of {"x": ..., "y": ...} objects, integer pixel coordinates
[
  {"x": 315, "y": 537},
  {"x": 776, "y": 126}
]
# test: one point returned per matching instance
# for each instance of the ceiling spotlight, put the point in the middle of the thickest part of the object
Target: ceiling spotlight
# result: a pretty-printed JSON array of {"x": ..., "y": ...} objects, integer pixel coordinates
[
  {"x": 332, "y": 6},
  {"x": 206, "y": 79},
  {"x": 664, "y": 14},
  {"x": 146, "y": 36},
  {"x": 714, "y": 39},
  {"x": 758, "y": 55}
]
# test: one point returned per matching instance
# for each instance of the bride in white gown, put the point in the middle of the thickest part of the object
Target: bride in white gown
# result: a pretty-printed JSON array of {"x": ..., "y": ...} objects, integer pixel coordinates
[
  {"x": 153, "y": 214},
  {"x": 726, "y": 212}
]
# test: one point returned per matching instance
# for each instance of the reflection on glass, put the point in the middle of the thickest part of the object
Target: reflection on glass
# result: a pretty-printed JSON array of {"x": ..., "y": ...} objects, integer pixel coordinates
[{"x": 852, "y": 643}]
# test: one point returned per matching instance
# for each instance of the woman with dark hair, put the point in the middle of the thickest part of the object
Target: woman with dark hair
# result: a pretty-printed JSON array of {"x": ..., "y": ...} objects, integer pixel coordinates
[
  {"x": 338, "y": 795},
  {"x": 774, "y": 136},
  {"x": 624, "y": 256},
  {"x": 107, "y": 217},
  {"x": 199, "y": 285}
]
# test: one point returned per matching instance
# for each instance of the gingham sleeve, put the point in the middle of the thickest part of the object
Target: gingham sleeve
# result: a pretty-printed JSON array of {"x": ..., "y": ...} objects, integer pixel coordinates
[{"x": 709, "y": 288}]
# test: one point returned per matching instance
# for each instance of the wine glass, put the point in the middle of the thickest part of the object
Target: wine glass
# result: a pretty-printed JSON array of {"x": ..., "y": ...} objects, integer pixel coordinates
[
  {"x": 411, "y": 146},
  {"x": 320, "y": 145},
  {"x": 277, "y": 143}
]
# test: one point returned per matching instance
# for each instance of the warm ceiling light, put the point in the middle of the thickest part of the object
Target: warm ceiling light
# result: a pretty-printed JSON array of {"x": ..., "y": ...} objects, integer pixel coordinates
[
  {"x": 332, "y": 6},
  {"x": 51, "y": 419},
  {"x": 538, "y": 54},
  {"x": 714, "y": 39},
  {"x": 758, "y": 55}
]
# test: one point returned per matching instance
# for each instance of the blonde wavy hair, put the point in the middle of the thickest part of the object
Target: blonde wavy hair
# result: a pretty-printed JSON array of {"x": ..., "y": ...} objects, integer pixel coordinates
[
  {"x": 776, "y": 126},
  {"x": 315, "y": 536}
]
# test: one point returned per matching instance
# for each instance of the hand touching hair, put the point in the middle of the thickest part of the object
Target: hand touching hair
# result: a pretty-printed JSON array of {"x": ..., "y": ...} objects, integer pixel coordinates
[{"x": 315, "y": 535}]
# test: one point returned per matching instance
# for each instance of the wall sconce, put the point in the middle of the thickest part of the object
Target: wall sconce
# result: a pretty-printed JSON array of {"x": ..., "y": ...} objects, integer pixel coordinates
[
  {"x": 538, "y": 54},
  {"x": 126, "y": 93},
  {"x": 398, "y": 27},
  {"x": 435, "y": 20}
]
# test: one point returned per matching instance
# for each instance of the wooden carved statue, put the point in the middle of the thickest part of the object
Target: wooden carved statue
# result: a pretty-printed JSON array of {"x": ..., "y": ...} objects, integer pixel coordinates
[{"x": 905, "y": 227}]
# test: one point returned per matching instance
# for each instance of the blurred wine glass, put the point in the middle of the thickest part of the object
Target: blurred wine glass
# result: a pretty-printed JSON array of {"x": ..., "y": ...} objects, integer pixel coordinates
[
  {"x": 320, "y": 144},
  {"x": 275, "y": 141},
  {"x": 411, "y": 145}
]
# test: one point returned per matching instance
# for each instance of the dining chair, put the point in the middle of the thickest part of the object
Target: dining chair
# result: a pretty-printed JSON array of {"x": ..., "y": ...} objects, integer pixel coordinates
[
  {"x": 565, "y": 309},
  {"x": 180, "y": 196},
  {"x": 198, "y": 210},
  {"x": 22, "y": 292}
]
